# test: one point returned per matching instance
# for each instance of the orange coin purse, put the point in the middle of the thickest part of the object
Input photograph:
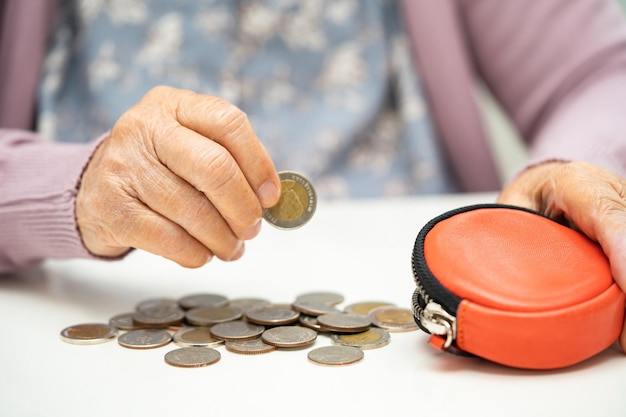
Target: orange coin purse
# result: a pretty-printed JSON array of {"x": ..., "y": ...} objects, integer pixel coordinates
[{"x": 514, "y": 287}]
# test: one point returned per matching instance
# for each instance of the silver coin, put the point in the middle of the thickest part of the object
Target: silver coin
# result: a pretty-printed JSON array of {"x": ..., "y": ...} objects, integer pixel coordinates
[
  {"x": 297, "y": 203},
  {"x": 312, "y": 308},
  {"x": 88, "y": 333},
  {"x": 159, "y": 316},
  {"x": 124, "y": 321},
  {"x": 310, "y": 322},
  {"x": 156, "y": 302},
  {"x": 370, "y": 339},
  {"x": 272, "y": 316},
  {"x": 247, "y": 304},
  {"x": 344, "y": 322},
  {"x": 330, "y": 298},
  {"x": 289, "y": 336},
  {"x": 207, "y": 316},
  {"x": 336, "y": 355},
  {"x": 249, "y": 347},
  {"x": 236, "y": 330},
  {"x": 202, "y": 300},
  {"x": 393, "y": 319},
  {"x": 196, "y": 337},
  {"x": 145, "y": 338},
  {"x": 192, "y": 357}
]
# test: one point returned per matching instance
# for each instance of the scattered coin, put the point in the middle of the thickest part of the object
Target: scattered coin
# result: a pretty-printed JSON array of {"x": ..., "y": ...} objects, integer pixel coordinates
[
  {"x": 289, "y": 336},
  {"x": 88, "y": 333},
  {"x": 145, "y": 338},
  {"x": 196, "y": 337},
  {"x": 335, "y": 355},
  {"x": 393, "y": 319},
  {"x": 192, "y": 357},
  {"x": 344, "y": 322},
  {"x": 249, "y": 326},
  {"x": 202, "y": 300},
  {"x": 365, "y": 307},
  {"x": 236, "y": 330},
  {"x": 207, "y": 316},
  {"x": 249, "y": 347},
  {"x": 272, "y": 316},
  {"x": 370, "y": 339},
  {"x": 297, "y": 203}
]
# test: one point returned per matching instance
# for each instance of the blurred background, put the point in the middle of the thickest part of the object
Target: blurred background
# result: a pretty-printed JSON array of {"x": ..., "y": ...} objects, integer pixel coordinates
[{"x": 508, "y": 148}]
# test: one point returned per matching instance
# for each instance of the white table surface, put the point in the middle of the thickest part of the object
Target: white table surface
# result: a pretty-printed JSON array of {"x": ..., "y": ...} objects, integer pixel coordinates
[{"x": 359, "y": 249}]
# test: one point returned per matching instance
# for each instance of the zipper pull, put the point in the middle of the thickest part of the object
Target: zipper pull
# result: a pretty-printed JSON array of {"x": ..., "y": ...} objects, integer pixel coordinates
[{"x": 439, "y": 322}]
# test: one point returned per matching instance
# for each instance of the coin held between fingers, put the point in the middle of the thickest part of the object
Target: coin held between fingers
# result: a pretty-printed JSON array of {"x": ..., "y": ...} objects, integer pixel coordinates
[{"x": 297, "y": 204}]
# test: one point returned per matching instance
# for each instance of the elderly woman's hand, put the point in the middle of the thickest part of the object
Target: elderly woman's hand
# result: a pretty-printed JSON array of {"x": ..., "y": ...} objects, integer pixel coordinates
[
  {"x": 181, "y": 175},
  {"x": 588, "y": 198}
]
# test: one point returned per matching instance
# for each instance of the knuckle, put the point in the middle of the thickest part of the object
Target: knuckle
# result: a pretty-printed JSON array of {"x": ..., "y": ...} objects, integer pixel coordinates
[
  {"x": 222, "y": 169},
  {"x": 230, "y": 118}
]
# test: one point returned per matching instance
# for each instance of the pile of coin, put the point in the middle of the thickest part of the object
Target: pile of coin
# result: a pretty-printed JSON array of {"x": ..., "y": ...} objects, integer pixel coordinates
[{"x": 201, "y": 323}]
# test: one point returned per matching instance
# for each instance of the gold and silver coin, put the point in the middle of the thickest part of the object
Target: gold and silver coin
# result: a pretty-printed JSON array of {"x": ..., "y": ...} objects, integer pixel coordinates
[
  {"x": 373, "y": 338},
  {"x": 393, "y": 319},
  {"x": 289, "y": 336},
  {"x": 192, "y": 357},
  {"x": 297, "y": 204},
  {"x": 365, "y": 307},
  {"x": 145, "y": 338},
  {"x": 335, "y": 355},
  {"x": 196, "y": 337},
  {"x": 88, "y": 333}
]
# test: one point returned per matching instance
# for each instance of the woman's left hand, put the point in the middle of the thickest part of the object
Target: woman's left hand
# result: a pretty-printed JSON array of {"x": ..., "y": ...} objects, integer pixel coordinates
[{"x": 588, "y": 198}]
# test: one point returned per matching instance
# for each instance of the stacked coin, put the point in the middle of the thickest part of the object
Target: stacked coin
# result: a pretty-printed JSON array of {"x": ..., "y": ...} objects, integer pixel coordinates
[{"x": 201, "y": 323}]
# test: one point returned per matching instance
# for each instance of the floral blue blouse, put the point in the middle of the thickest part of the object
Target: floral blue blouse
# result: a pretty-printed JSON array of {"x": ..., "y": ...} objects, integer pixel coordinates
[{"x": 328, "y": 85}]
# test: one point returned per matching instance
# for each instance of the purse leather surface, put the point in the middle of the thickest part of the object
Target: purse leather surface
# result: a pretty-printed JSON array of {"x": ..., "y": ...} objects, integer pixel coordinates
[{"x": 536, "y": 294}]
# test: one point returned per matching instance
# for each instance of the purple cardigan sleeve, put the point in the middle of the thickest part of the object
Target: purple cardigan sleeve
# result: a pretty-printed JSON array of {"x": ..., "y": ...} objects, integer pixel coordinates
[
  {"x": 39, "y": 184},
  {"x": 559, "y": 69}
]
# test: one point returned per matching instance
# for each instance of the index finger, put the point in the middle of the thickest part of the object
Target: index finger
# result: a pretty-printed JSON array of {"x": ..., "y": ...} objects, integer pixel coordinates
[{"x": 228, "y": 125}]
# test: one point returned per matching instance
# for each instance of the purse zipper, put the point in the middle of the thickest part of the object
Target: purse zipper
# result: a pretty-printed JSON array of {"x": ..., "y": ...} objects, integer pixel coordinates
[
  {"x": 433, "y": 318},
  {"x": 434, "y": 306}
]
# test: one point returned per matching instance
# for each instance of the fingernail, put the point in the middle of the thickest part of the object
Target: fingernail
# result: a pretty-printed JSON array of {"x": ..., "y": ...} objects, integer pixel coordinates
[
  {"x": 252, "y": 232},
  {"x": 268, "y": 193},
  {"x": 239, "y": 253}
]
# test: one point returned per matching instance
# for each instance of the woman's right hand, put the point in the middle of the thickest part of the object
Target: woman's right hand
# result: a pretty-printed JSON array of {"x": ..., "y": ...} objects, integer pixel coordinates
[{"x": 181, "y": 175}]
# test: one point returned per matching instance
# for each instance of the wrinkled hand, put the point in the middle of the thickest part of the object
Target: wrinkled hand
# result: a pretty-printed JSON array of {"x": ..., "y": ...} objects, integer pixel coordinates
[
  {"x": 588, "y": 198},
  {"x": 181, "y": 175}
]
